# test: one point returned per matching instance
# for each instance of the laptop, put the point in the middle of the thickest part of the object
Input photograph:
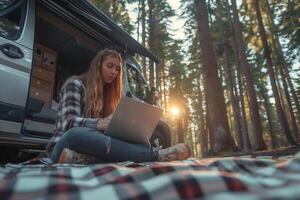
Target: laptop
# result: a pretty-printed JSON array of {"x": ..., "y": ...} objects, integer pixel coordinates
[{"x": 133, "y": 121}]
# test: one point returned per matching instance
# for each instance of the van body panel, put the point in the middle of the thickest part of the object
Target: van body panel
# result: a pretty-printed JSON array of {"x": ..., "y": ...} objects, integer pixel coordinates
[
  {"x": 15, "y": 75},
  {"x": 15, "y": 72},
  {"x": 26, "y": 38}
]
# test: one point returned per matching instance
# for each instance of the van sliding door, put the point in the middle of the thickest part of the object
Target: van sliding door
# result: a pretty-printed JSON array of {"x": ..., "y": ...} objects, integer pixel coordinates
[{"x": 16, "y": 48}]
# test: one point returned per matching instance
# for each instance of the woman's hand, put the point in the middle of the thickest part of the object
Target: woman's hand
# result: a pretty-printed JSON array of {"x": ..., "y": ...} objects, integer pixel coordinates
[{"x": 102, "y": 124}]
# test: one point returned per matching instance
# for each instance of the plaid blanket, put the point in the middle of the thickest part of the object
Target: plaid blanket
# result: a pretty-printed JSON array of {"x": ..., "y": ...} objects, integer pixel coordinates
[{"x": 226, "y": 178}]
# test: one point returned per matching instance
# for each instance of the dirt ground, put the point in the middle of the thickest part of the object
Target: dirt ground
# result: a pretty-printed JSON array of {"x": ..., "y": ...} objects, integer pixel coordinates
[{"x": 276, "y": 153}]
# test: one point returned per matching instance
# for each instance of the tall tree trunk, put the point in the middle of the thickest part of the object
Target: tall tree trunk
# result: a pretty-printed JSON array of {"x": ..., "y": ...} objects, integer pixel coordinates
[
  {"x": 283, "y": 69},
  {"x": 158, "y": 76},
  {"x": 280, "y": 112},
  {"x": 258, "y": 131},
  {"x": 152, "y": 38},
  {"x": 228, "y": 79},
  {"x": 246, "y": 138},
  {"x": 289, "y": 102},
  {"x": 237, "y": 125},
  {"x": 164, "y": 89},
  {"x": 283, "y": 61},
  {"x": 242, "y": 112},
  {"x": 209, "y": 129},
  {"x": 225, "y": 74},
  {"x": 209, "y": 13},
  {"x": 203, "y": 134},
  {"x": 207, "y": 126},
  {"x": 213, "y": 88},
  {"x": 143, "y": 18},
  {"x": 269, "y": 118},
  {"x": 138, "y": 22}
]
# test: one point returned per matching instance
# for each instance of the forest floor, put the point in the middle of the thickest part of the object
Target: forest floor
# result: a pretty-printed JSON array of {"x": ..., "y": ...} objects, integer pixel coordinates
[
  {"x": 276, "y": 153},
  {"x": 287, "y": 151}
]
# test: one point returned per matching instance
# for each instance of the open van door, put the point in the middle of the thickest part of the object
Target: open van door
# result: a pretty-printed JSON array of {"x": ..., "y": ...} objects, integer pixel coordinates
[{"x": 16, "y": 52}]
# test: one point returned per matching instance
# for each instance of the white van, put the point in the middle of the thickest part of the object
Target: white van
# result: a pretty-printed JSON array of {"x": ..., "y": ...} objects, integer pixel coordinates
[{"x": 42, "y": 43}]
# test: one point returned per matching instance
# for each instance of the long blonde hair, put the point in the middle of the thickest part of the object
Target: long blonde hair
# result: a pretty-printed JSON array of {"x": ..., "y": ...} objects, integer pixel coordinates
[{"x": 101, "y": 99}]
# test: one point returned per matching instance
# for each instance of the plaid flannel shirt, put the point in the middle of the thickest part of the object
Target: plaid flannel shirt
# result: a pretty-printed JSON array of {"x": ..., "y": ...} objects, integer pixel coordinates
[{"x": 70, "y": 110}]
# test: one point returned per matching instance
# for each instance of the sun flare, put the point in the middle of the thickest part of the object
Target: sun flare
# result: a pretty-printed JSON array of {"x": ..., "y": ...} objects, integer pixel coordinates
[{"x": 175, "y": 111}]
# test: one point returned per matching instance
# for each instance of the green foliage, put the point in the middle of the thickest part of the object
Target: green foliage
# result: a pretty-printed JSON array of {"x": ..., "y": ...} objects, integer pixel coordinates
[
  {"x": 290, "y": 28},
  {"x": 116, "y": 9},
  {"x": 162, "y": 13},
  {"x": 297, "y": 81}
]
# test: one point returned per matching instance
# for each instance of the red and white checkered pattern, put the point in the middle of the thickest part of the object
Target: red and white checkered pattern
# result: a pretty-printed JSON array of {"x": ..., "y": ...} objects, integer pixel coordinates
[{"x": 226, "y": 178}]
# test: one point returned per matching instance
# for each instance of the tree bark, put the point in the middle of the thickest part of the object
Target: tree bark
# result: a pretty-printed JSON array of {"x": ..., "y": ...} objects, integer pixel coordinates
[
  {"x": 242, "y": 113},
  {"x": 246, "y": 138},
  {"x": 283, "y": 62},
  {"x": 280, "y": 112},
  {"x": 228, "y": 79},
  {"x": 213, "y": 89},
  {"x": 209, "y": 129},
  {"x": 164, "y": 90},
  {"x": 237, "y": 125},
  {"x": 158, "y": 75},
  {"x": 143, "y": 18},
  {"x": 269, "y": 118},
  {"x": 152, "y": 38},
  {"x": 283, "y": 69},
  {"x": 249, "y": 82},
  {"x": 138, "y": 21},
  {"x": 203, "y": 134}
]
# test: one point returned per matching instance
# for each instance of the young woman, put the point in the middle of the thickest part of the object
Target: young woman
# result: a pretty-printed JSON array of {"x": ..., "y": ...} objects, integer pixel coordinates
[{"x": 86, "y": 105}]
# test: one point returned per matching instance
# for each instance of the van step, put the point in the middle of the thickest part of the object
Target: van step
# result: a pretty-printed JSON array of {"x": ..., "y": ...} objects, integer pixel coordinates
[
  {"x": 38, "y": 128},
  {"x": 32, "y": 150}
]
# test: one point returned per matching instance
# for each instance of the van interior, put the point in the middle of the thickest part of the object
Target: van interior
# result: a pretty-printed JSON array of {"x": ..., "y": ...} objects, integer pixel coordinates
[{"x": 61, "y": 51}]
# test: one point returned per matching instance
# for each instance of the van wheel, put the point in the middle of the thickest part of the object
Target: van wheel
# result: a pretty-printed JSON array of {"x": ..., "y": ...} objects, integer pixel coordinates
[{"x": 158, "y": 140}]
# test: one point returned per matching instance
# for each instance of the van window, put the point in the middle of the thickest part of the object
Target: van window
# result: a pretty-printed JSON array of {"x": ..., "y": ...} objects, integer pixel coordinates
[
  {"x": 137, "y": 85},
  {"x": 143, "y": 89},
  {"x": 12, "y": 22}
]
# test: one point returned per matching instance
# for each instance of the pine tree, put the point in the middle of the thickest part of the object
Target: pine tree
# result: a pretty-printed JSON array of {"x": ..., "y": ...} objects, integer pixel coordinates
[
  {"x": 280, "y": 112},
  {"x": 116, "y": 9},
  {"x": 248, "y": 77},
  {"x": 212, "y": 85}
]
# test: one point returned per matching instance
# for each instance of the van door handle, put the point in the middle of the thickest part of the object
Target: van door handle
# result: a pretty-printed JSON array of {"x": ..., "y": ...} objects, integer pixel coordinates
[{"x": 11, "y": 51}]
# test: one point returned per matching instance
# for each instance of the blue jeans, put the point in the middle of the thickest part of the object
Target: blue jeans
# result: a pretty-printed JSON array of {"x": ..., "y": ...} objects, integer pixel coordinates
[{"x": 92, "y": 142}]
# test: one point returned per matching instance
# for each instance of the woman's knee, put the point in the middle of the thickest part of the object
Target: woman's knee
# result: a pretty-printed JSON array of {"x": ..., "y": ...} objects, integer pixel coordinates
[
  {"x": 76, "y": 130},
  {"x": 73, "y": 136}
]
